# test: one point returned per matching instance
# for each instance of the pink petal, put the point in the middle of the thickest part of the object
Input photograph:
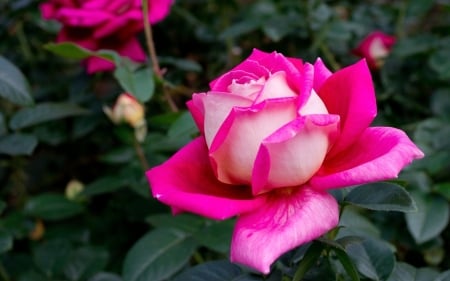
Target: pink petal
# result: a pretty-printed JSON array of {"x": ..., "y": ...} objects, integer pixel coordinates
[
  {"x": 217, "y": 107},
  {"x": 294, "y": 153},
  {"x": 377, "y": 41},
  {"x": 96, "y": 64},
  {"x": 186, "y": 182},
  {"x": 132, "y": 49},
  {"x": 234, "y": 147},
  {"x": 195, "y": 106},
  {"x": 378, "y": 154},
  {"x": 276, "y": 87},
  {"x": 321, "y": 73},
  {"x": 222, "y": 83},
  {"x": 110, "y": 27},
  {"x": 286, "y": 221},
  {"x": 314, "y": 105},
  {"x": 159, "y": 9},
  {"x": 82, "y": 18},
  {"x": 306, "y": 86},
  {"x": 350, "y": 94},
  {"x": 48, "y": 10},
  {"x": 96, "y": 5}
]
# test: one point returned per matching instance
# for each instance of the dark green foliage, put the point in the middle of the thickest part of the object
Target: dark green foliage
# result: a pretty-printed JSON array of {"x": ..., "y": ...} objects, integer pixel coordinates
[{"x": 53, "y": 131}]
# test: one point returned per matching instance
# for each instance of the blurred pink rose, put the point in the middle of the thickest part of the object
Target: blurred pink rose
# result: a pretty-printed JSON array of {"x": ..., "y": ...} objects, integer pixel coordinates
[
  {"x": 375, "y": 47},
  {"x": 104, "y": 24},
  {"x": 276, "y": 134}
]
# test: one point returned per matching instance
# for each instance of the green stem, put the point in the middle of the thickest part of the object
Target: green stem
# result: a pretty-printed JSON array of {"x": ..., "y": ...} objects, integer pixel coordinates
[{"x": 140, "y": 154}]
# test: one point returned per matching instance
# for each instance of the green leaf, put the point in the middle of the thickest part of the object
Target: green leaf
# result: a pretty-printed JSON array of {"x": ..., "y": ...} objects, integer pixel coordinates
[
  {"x": 431, "y": 218},
  {"x": 139, "y": 83},
  {"x": 183, "y": 64},
  {"x": 312, "y": 254},
  {"x": 445, "y": 276},
  {"x": 3, "y": 128},
  {"x": 343, "y": 258},
  {"x": 414, "y": 45},
  {"x": 354, "y": 223},
  {"x": 51, "y": 206},
  {"x": 105, "y": 276},
  {"x": 51, "y": 255},
  {"x": 32, "y": 275},
  {"x": 216, "y": 236},
  {"x": 221, "y": 270},
  {"x": 6, "y": 241},
  {"x": 18, "y": 144},
  {"x": 158, "y": 255},
  {"x": 185, "y": 222},
  {"x": 44, "y": 112},
  {"x": 440, "y": 102},
  {"x": 373, "y": 258},
  {"x": 440, "y": 62},
  {"x": 13, "y": 84},
  {"x": 68, "y": 50},
  {"x": 347, "y": 263},
  {"x": 444, "y": 189},
  {"x": 84, "y": 262},
  {"x": 406, "y": 272},
  {"x": 104, "y": 185},
  {"x": 381, "y": 196}
]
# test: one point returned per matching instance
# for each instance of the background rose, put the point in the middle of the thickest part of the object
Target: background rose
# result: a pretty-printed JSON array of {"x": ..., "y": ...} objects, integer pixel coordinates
[
  {"x": 375, "y": 47},
  {"x": 277, "y": 133},
  {"x": 104, "y": 24}
]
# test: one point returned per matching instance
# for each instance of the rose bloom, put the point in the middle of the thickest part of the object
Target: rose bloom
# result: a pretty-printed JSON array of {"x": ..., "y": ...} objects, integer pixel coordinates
[
  {"x": 276, "y": 135},
  {"x": 104, "y": 24},
  {"x": 375, "y": 47}
]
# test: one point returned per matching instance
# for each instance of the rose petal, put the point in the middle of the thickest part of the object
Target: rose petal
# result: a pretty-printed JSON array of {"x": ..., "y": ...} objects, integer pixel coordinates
[
  {"x": 159, "y": 9},
  {"x": 217, "y": 107},
  {"x": 82, "y": 18},
  {"x": 321, "y": 73},
  {"x": 284, "y": 222},
  {"x": 275, "y": 87},
  {"x": 222, "y": 83},
  {"x": 314, "y": 105},
  {"x": 96, "y": 64},
  {"x": 186, "y": 182},
  {"x": 379, "y": 154},
  {"x": 132, "y": 49},
  {"x": 350, "y": 94},
  {"x": 233, "y": 150},
  {"x": 294, "y": 153}
]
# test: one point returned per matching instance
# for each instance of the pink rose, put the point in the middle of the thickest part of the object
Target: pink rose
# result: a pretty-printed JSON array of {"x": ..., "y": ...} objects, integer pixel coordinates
[
  {"x": 104, "y": 24},
  {"x": 276, "y": 134},
  {"x": 375, "y": 47}
]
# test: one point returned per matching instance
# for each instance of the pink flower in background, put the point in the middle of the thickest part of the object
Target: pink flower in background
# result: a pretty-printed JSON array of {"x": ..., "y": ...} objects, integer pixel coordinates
[
  {"x": 104, "y": 24},
  {"x": 276, "y": 135},
  {"x": 375, "y": 47}
]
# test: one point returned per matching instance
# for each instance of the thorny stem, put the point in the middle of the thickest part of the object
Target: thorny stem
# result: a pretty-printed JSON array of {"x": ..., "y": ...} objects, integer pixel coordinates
[{"x": 152, "y": 52}]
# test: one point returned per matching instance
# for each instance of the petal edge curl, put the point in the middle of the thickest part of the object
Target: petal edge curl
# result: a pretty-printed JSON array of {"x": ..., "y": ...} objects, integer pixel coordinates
[
  {"x": 186, "y": 182},
  {"x": 379, "y": 154},
  {"x": 283, "y": 223}
]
